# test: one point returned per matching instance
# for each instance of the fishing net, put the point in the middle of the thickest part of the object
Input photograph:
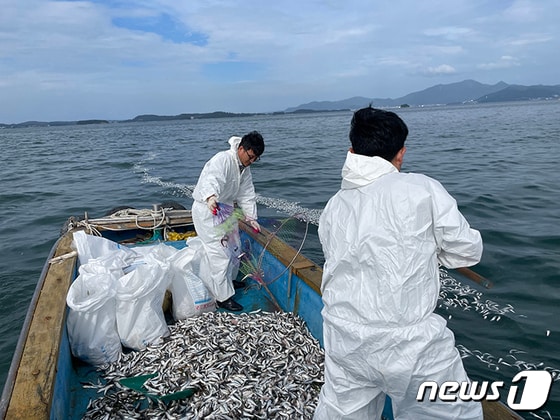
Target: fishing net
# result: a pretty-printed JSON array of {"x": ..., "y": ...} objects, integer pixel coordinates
[{"x": 291, "y": 230}]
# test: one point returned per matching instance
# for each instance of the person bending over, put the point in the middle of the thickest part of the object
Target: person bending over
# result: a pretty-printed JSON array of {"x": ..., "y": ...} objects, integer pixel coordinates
[{"x": 225, "y": 178}]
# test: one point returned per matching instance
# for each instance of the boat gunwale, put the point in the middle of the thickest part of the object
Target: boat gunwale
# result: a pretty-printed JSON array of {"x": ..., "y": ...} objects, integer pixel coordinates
[
  {"x": 13, "y": 372},
  {"x": 22, "y": 339}
]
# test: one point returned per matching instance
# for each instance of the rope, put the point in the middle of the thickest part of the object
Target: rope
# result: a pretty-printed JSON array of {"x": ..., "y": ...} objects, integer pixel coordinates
[
  {"x": 158, "y": 216},
  {"x": 142, "y": 213},
  {"x": 90, "y": 228}
]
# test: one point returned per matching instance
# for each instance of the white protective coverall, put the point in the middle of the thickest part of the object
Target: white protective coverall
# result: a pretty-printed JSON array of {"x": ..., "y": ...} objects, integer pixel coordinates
[
  {"x": 382, "y": 235},
  {"x": 222, "y": 177}
]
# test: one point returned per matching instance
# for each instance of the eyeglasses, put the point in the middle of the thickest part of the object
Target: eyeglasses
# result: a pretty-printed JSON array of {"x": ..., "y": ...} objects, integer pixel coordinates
[{"x": 252, "y": 158}]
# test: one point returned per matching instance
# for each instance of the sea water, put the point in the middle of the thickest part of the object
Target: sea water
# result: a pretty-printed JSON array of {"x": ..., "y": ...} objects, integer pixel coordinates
[{"x": 499, "y": 161}]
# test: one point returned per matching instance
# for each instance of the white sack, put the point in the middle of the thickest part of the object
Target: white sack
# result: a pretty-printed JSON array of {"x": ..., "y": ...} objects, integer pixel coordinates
[
  {"x": 90, "y": 247},
  {"x": 91, "y": 323},
  {"x": 108, "y": 264},
  {"x": 150, "y": 254},
  {"x": 140, "y": 294},
  {"x": 190, "y": 295}
]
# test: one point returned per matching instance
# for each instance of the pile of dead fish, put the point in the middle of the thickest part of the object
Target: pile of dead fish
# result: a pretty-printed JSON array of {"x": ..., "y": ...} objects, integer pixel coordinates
[{"x": 258, "y": 365}]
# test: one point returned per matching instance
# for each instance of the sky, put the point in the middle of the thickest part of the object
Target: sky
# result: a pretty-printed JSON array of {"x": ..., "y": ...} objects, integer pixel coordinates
[{"x": 113, "y": 59}]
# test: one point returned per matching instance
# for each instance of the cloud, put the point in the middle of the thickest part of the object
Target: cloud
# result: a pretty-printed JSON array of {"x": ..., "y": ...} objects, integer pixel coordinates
[
  {"x": 528, "y": 39},
  {"x": 504, "y": 62},
  {"x": 164, "y": 25},
  {"x": 443, "y": 69},
  {"x": 524, "y": 11},
  {"x": 232, "y": 71},
  {"x": 452, "y": 33},
  {"x": 118, "y": 58}
]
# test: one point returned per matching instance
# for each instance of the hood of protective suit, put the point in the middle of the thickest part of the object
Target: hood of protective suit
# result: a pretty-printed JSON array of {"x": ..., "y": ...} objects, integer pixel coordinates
[
  {"x": 234, "y": 143},
  {"x": 360, "y": 170}
]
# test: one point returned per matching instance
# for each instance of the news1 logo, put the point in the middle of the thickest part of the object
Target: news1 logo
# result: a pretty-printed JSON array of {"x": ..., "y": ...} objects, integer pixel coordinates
[{"x": 531, "y": 396}]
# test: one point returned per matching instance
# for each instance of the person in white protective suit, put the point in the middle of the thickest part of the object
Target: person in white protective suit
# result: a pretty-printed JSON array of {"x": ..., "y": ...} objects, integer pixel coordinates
[
  {"x": 383, "y": 234},
  {"x": 226, "y": 178}
]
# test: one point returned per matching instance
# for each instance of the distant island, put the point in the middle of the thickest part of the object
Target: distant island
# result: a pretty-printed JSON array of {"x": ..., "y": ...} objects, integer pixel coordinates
[
  {"x": 86, "y": 122},
  {"x": 217, "y": 114},
  {"x": 465, "y": 92},
  {"x": 53, "y": 123}
]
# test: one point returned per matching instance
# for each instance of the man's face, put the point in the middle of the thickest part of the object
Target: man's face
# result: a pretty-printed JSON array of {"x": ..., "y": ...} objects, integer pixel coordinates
[{"x": 246, "y": 156}]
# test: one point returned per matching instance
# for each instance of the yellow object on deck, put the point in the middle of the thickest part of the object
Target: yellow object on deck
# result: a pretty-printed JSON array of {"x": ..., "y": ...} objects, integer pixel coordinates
[{"x": 176, "y": 236}]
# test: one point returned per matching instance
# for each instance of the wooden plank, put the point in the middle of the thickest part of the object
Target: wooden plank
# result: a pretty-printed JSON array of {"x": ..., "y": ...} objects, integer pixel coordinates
[
  {"x": 494, "y": 410},
  {"x": 312, "y": 275},
  {"x": 34, "y": 383}
]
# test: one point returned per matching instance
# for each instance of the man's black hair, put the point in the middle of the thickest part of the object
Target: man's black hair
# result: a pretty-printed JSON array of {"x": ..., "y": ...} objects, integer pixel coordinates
[
  {"x": 253, "y": 141},
  {"x": 376, "y": 132}
]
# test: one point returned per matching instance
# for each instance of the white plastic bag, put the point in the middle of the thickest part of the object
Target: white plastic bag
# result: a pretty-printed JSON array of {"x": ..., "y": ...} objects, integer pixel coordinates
[
  {"x": 190, "y": 295},
  {"x": 91, "y": 323},
  {"x": 108, "y": 264},
  {"x": 91, "y": 247},
  {"x": 140, "y": 294}
]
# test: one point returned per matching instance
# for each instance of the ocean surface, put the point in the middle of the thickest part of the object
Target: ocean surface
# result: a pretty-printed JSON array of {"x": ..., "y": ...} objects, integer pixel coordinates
[{"x": 499, "y": 161}]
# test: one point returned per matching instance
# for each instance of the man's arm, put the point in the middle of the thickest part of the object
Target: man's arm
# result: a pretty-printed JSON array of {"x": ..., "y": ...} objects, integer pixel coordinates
[{"x": 458, "y": 244}]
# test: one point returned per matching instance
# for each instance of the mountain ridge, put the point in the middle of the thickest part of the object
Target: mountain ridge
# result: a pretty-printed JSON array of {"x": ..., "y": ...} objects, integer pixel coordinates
[{"x": 467, "y": 91}]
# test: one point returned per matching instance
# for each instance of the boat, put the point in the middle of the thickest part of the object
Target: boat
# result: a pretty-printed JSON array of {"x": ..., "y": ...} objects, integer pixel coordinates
[{"x": 46, "y": 381}]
